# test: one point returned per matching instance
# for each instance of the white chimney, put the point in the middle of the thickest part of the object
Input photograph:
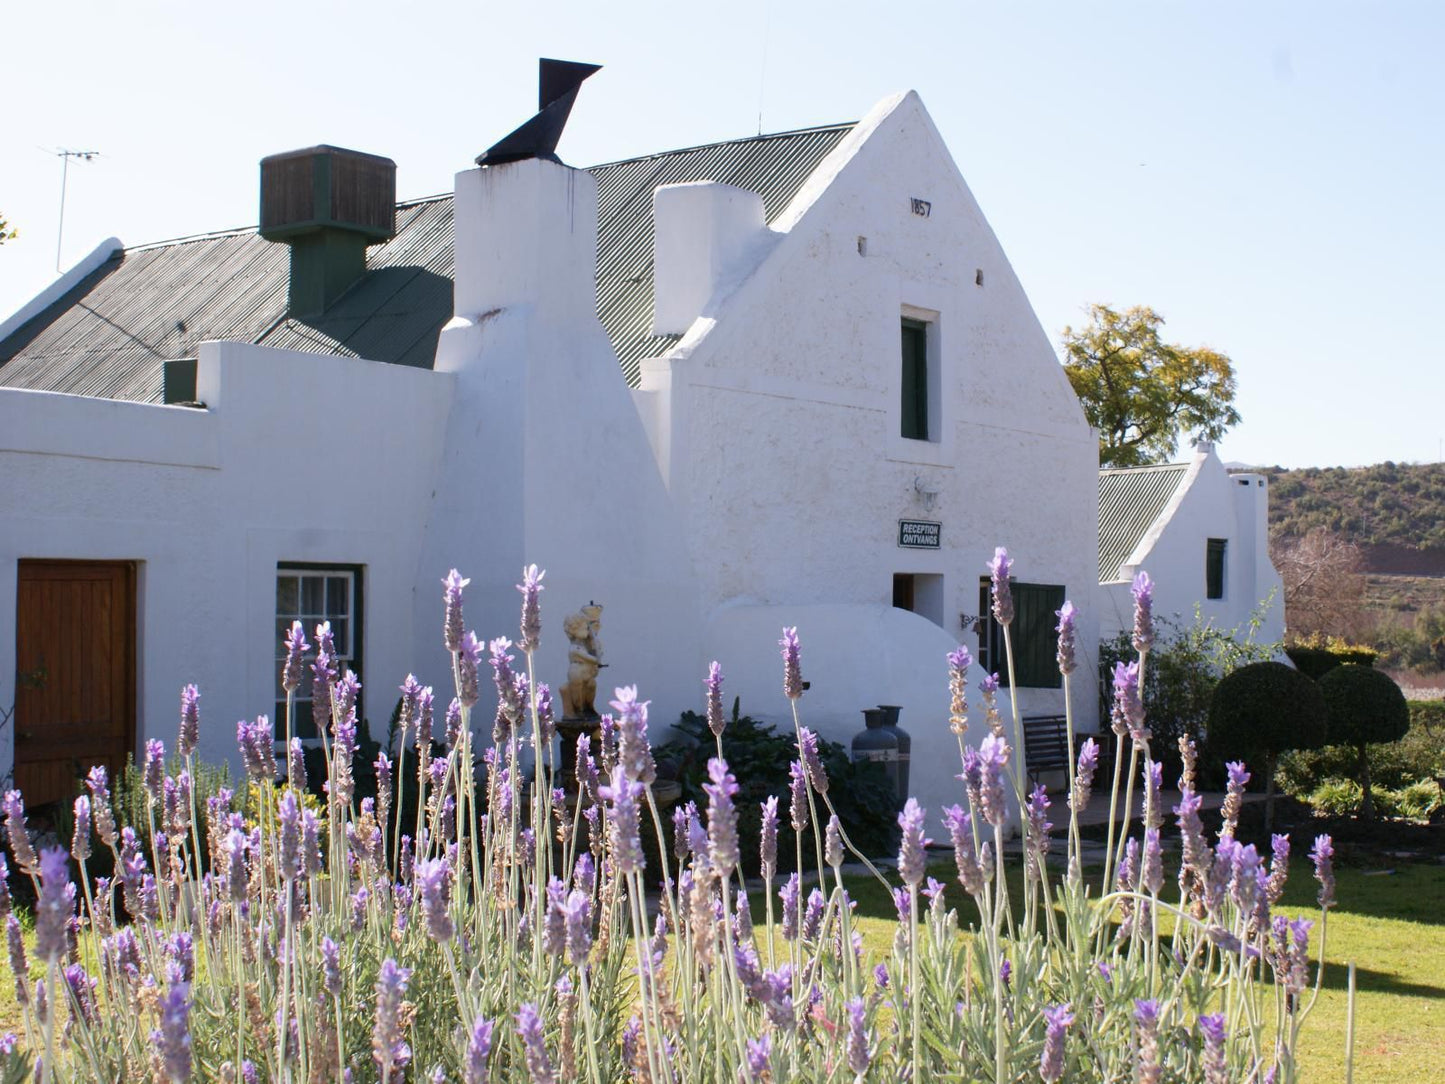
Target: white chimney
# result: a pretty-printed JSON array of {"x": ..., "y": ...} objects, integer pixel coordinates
[
  {"x": 526, "y": 234},
  {"x": 703, "y": 236}
]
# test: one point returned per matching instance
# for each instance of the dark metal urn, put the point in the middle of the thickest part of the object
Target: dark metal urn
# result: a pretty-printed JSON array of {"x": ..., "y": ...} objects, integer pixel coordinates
[
  {"x": 905, "y": 745},
  {"x": 878, "y": 742}
]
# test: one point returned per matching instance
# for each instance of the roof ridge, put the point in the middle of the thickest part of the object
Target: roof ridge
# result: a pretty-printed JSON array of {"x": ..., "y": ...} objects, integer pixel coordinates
[
  {"x": 837, "y": 127},
  {"x": 1142, "y": 469}
]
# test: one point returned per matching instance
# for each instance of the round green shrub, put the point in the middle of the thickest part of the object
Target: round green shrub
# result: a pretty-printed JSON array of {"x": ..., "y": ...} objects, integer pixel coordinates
[
  {"x": 1262, "y": 709},
  {"x": 1363, "y": 706}
]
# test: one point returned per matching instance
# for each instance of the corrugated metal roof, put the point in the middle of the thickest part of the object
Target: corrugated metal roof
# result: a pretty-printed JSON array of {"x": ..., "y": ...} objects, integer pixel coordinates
[
  {"x": 110, "y": 335},
  {"x": 1130, "y": 500}
]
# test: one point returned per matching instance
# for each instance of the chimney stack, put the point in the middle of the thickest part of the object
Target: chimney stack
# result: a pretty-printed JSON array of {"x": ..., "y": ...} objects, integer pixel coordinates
[{"x": 328, "y": 204}]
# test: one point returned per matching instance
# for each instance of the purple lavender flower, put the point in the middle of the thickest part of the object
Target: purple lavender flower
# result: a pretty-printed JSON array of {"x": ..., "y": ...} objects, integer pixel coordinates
[
  {"x": 433, "y": 881},
  {"x": 503, "y": 677},
  {"x": 1127, "y": 701},
  {"x": 56, "y": 905},
  {"x": 388, "y": 1044},
  {"x": 624, "y": 822},
  {"x": 1066, "y": 655},
  {"x": 479, "y": 1049},
  {"x": 789, "y": 894},
  {"x": 1151, "y": 874},
  {"x": 534, "y": 1045},
  {"x": 768, "y": 838},
  {"x": 715, "y": 721},
  {"x": 173, "y": 1038},
  {"x": 959, "y": 660},
  {"x": 181, "y": 949},
  {"x": 296, "y": 648},
  {"x": 859, "y": 1055},
  {"x": 1278, "y": 868},
  {"x": 289, "y": 847},
  {"x": 154, "y": 773},
  {"x": 1003, "y": 602},
  {"x": 1036, "y": 830},
  {"x": 331, "y": 966},
  {"x": 1084, "y": 777},
  {"x": 1215, "y": 1066},
  {"x": 1146, "y": 1065},
  {"x": 324, "y": 673},
  {"x": 777, "y": 999},
  {"x": 1233, "y": 798},
  {"x": 1127, "y": 878},
  {"x": 263, "y": 741},
  {"x": 964, "y": 855},
  {"x": 577, "y": 922},
  {"x": 812, "y": 762},
  {"x": 1195, "y": 857},
  {"x": 531, "y": 588},
  {"x": 1323, "y": 854},
  {"x": 546, "y": 722},
  {"x": 1005, "y": 972},
  {"x": 234, "y": 848},
  {"x": 1244, "y": 887},
  {"x": 798, "y": 795},
  {"x": 722, "y": 817},
  {"x": 1153, "y": 784},
  {"x": 1143, "y": 592},
  {"x": 469, "y": 658},
  {"x": 760, "y": 1052},
  {"x": 792, "y": 665},
  {"x": 634, "y": 751},
  {"x": 310, "y": 843},
  {"x": 452, "y": 624},
  {"x": 813, "y": 915},
  {"x": 82, "y": 992},
  {"x": 993, "y": 754},
  {"x": 1051, "y": 1062},
  {"x": 190, "y": 732},
  {"x": 19, "y": 966},
  {"x": 833, "y": 842},
  {"x": 96, "y": 782},
  {"x": 80, "y": 837},
  {"x": 911, "y": 858}
]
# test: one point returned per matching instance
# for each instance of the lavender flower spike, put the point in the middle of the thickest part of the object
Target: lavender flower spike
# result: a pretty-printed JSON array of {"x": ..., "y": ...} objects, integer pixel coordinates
[
  {"x": 722, "y": 817},
  {"x": 531, "y": 587},
  {"x": 812, "y": 762},
  {"x": 1068, "y": 661},
  {"x": 858, "y": 1053},
  {"x": 993, "y": 756},
  {"x": 1143, "y": 592},
  {"x": 959, "y": 660},
  {"x": 55, "y": 907},
  {"x": 1215, "y": 1066},
  {"x": 768, "y": 838},
  {"x": 833, "y": 842},
  {"x": 1128, "y": 701},
  {"x": 798, "y": 795},
  {"x": 190, "y": 731},
  {"x": 911, "y": 858},
  {"x": 433, "y": 880},
  {"x": 452, "y": 626},
  {"x": 154, "y": 773},
  {"x": 964, "y": 854},
  {"x": 1084, "y": 777},
  {"x": 1323, "y": 853},
  {"x": 1051, "y": 1061},
  {"x": 713, "y": 682},
  {"x": 469, "y": 659},
  {"x": 80, "y": 837},
  {"x": 479, "y": 1049},
  {"x": 1146, "y": 1064},
  {"x": 388, "y": 1046},
  {"x": 1003, "y": 601},
  {"x": 792, "y": 666},
  {"x": 173, "y": 1038},
  {"x": 624, "y": 821},
  {"x": 534, "y": 1044}
]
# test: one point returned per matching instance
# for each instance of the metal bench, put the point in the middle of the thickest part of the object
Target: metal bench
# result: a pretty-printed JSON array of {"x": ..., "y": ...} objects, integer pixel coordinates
[{"x": 1046, "y": 745}]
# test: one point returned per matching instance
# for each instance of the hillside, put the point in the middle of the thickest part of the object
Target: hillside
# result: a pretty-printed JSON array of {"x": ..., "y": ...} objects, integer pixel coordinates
[{"x": 1395, "y": 512}]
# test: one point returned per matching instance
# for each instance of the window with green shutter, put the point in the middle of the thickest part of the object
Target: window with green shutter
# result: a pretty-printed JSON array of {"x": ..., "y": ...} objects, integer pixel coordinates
[
  {"x": 1033, "y": 632},
  {"x": 914, "y": 415}
]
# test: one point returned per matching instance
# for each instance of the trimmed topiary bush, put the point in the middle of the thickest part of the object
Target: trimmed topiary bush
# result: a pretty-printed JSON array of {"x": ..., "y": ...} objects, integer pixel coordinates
[
  {"x": 1262, "y": 710},
  {"x": 1363, "y": 706}
]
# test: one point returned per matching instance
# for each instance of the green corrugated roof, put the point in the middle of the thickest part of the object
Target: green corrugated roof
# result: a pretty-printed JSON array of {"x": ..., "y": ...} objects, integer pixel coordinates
[
  {"x": 110, "y": 335},
  {"x": 1130, "y": 500}
]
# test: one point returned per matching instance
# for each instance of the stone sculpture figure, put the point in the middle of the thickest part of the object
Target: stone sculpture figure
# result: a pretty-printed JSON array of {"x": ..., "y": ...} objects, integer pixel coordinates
[{"x": 584, "y": 659}]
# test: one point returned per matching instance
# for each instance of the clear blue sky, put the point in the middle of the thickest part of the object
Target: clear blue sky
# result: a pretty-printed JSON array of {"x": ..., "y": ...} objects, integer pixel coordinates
[{"x": 1266, "y": 176}]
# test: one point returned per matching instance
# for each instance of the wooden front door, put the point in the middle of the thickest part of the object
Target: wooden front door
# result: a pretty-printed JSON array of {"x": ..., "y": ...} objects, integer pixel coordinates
[{"x": 75, "y": 680}]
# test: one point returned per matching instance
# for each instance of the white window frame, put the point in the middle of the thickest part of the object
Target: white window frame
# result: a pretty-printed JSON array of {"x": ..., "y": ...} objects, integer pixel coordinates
[{"x": 347, "y": 658}]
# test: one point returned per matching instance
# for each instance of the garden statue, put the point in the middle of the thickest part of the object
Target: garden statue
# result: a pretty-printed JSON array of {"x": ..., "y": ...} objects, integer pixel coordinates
[{"x": 584, "y": 659}]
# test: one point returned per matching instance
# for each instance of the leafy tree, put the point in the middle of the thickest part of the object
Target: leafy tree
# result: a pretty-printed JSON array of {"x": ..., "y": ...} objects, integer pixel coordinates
[
  {"x": 1139, "y": 391},
  {"x": 1363, "y": 707},
  {"x": 1262, "y": 710},
  {"x": 6, "y": 233}
]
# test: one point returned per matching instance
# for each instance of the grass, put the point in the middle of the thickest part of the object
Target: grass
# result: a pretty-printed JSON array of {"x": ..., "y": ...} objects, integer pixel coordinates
[{"x": 1391, "y": 924}]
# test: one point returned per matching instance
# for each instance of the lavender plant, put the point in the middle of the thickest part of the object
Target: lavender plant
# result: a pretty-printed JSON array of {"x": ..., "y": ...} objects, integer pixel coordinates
[{"x": 513, "y": 937}]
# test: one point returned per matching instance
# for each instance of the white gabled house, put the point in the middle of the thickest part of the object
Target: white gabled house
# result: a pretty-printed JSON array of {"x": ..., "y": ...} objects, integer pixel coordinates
[
  {"x": 1202, "y": 534},
  {"x": 786, "y": 380}
]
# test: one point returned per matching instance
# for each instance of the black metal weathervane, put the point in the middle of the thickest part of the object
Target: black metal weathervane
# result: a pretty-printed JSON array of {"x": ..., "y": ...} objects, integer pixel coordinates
[{"x": 558, "y": 83}]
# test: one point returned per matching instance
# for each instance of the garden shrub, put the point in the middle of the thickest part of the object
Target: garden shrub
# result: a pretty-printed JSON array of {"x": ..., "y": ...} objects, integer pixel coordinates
[
  {"x": 1418, "y": 757},
  {"x": 1184, "y": 668},
  {"x": 1262, "y": 710},
  {"x": 1317, "y": 655},
  {"x": 759, "y": 756},
  {"x": 1363, "y": 707}
]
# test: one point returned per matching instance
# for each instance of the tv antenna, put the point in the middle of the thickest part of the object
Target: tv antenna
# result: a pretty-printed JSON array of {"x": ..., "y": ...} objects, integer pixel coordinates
[{"x": 65, "y": 156}]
